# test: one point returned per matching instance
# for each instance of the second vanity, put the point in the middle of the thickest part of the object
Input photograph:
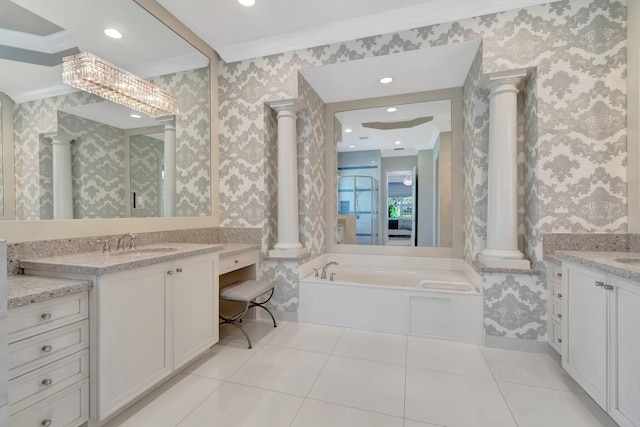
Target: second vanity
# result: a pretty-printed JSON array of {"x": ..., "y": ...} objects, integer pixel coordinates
[
  {"x": 601, "y": 316},
  {"x": 151, "y": 311}
]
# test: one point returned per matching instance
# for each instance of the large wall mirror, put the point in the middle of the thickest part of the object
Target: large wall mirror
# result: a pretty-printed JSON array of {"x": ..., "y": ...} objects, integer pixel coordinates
[
  {"x": 121, "y": 164},
  {"x": 394, "y": 167}
]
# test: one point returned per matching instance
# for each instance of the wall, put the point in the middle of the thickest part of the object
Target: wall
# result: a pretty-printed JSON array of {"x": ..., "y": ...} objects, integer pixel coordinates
[{"x": 574, "y": 137}]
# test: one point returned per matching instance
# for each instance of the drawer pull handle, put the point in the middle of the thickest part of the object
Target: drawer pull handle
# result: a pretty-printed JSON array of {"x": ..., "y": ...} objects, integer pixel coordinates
[
  {"x": 47, "y": 382},
  {"x": 559, "y": 315},
  {"x": 170, "y": 273},
  {"x": 45, "y": 423},
  {"x": 179, "y": 270},
  {"x": 599, "y": 283},
  {"x": 236, "y": 261},
  {"x": 46, "y": 316},
  {"x": 608, "y": 287},
  {"x": 47, "y": 348},
  {"x": 559, "y": 340},
  {"x": 559, "y": 275},
  {"x": 560, "y": 295}
]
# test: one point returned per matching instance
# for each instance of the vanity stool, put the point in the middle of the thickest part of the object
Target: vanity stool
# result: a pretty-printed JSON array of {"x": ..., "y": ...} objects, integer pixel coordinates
[{"x": 246, "y": 291}]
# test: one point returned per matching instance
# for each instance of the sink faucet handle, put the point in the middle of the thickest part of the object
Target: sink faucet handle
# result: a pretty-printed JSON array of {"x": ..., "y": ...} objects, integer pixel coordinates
[
  {"x": 132, "y": 243},
  {"x": 316, "y": 275},
  {"x": 331, "y": 277},
  {"x": 105, "y": 245}
]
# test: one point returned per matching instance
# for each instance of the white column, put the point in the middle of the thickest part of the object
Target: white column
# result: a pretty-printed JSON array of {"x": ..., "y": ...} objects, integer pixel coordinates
[
  {"x": 62, "y": 180},
  {"x": 502, "y": 213},
  {"x": 169, "y": 196},
  {"x": 288, "y": 245}
]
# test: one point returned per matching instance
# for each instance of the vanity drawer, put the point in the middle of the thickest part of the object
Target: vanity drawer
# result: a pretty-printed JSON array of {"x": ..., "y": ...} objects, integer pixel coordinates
[
  {"x": 67, "y": 408},
  {"x": 556, "y": 331},
  {"x": 556, "y": 272},
  {"x": 230, "y": 263},
  {"x": 557, "y": 290},
  {"x": 41, "y": 383},
  {"x": 33, "y": 319},
  {"x": 556, "y": 311},
  {"x": 32, "y": 353}
]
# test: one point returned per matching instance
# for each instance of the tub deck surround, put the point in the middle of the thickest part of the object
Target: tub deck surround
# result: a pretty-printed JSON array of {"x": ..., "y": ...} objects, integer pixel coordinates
[
  {"x": 605, "y": 262},
  {"x": 25, "y": 290},
  {"x": 481, "y": 268},
  {"x": 98, "y": 263}
]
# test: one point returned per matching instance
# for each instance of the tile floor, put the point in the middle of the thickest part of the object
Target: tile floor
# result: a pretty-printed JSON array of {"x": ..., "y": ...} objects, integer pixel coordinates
[{"x": 304, "y": 375}]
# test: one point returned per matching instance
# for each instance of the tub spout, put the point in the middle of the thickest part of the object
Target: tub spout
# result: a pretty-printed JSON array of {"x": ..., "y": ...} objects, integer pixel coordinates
[{"x": 324, "y": 269}]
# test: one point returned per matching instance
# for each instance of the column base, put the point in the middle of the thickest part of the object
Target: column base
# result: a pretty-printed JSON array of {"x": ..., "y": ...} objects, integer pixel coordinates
[
  {"x": 504, "y": 259},
  {"x": 287, "y": 252}
]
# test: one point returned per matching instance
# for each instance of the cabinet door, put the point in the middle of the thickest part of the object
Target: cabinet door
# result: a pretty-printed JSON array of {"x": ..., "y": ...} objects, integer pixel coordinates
[
  {"x": 134, "y": 334},
  {"x": 194, "y": 324},
  {"x": 625, "y": 352},
  {"x": 584, "y": 353}
]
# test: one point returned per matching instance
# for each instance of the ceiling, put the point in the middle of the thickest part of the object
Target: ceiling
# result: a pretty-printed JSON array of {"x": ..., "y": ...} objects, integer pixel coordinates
[{"x": 274, "y": 26}]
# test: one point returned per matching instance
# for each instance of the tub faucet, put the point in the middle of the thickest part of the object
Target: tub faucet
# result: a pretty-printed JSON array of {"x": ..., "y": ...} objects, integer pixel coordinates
[
  {"x": 324, "y": 269},
  {"x": 132, "y": 242}
]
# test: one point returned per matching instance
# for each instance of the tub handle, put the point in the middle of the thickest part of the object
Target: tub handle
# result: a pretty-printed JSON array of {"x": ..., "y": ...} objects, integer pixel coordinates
[
  {"x": 316, "y": 275},
  {"x": 331, "y": 277}
]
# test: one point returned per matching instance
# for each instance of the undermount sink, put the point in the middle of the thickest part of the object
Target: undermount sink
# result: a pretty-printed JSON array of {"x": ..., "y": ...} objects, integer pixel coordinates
[
  {"x": 628, "y": 261},
  {"x": 145, "y": 251}
]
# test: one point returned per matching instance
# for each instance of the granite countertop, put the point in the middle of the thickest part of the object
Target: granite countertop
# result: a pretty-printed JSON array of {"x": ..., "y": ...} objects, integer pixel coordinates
[
  {"x": 98, "y": 263},
  {"x": 605, "y": 261},
  {"x": 230, "y": 249},
  {"x": 25, "y": 290}
]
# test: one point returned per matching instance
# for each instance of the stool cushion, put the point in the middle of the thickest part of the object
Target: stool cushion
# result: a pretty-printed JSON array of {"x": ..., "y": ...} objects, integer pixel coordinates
[{"x": 246, "y": 291}]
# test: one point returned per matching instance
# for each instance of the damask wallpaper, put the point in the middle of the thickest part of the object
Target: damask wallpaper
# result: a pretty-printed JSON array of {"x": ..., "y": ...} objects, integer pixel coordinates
[
  {"x": 573, "y": 139},
  {"x": 146, "y": 154}
]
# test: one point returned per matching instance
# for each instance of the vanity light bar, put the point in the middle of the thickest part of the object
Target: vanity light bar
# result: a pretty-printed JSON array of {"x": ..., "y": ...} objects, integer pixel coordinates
[{"x": 92, "y": 74}]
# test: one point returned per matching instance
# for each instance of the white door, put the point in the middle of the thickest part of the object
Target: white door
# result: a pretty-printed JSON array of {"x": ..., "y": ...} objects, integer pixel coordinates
[
  {"x": 625, "y": 352},
  {"x": 194, "y": 324},
  {"x": 584, "y": 353}
]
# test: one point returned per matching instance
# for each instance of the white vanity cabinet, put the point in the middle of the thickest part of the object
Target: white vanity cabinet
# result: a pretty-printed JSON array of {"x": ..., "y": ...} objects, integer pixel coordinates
[
  {"x": 149, "y": 322},
  {"x": 601, "y": 345}
]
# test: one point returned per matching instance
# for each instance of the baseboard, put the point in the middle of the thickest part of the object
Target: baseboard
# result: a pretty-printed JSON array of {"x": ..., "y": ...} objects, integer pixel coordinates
[
  {"x": 531, "y": 346},
  {"x": 285, "y": 316}
]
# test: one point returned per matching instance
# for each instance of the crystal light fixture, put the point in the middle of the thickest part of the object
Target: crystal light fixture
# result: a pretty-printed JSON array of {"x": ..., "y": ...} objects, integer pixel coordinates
[
  {"x": 407, "y": 180},
  {"x": 95, "y": 75}
]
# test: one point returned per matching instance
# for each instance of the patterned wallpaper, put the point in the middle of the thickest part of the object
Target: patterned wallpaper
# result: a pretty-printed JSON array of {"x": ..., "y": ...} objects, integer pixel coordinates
[
  {"x": 146, "y": 154},
  {"x": 192, "y": 133}
]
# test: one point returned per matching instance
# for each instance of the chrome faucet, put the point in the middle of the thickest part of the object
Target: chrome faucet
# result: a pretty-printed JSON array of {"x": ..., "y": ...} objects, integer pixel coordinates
[
  {"x": 132, "y": 242},
  {"x": 324, "y": 269}
]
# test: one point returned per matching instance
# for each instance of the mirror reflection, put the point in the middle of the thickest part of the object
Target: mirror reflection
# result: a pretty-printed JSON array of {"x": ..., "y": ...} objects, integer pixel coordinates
[
  {"x": 107, "y": 167},
  {"x": 394, "y": 175}
]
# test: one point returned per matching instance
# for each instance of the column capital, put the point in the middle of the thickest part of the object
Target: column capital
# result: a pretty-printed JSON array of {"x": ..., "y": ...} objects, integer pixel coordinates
[
  {"x": 286, "y": 105},
  {"x": 492, "y": 81}
]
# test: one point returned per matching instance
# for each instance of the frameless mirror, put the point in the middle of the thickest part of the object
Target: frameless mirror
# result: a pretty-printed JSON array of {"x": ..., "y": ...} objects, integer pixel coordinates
[
  {"x": 394, "y": 175},
  {"x": 37, "y": 34}
]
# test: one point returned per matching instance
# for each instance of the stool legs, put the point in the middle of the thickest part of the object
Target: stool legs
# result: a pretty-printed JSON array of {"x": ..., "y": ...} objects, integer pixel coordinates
[
  {"x": 261, "y": 305},
  {"x": 236, "y": 319}
]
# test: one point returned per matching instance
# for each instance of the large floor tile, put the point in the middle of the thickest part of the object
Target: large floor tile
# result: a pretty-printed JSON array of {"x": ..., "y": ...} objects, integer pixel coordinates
[
  {"x": 308, "y": 336},
  {"x": 240, "y": 406},
  {"x": 446, "y": 356},
  {"x": 411, "y": 423},
  {"x": 387, "y": 348},
  {"x": 528, "y": 368},
  {"x": 222, "y": 360},
  {"x": 259, "y": 331},
  {"x": 455, "y": 400},
  {"x": 170, "y": 404},
  {"x": 321, "y": 414},
  {"x": 281, "y": 369},
  {"x": 362, "y": 384},
  {"x": 537, "y": 406}
]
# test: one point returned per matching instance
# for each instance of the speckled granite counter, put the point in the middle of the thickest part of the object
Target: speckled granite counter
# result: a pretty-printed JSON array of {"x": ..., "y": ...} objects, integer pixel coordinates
[
  {"x": 24, "y": 290},
  {"x": 605, "y": 261},
  {"x": 231, "y": 249},
  {"x": 99, "y": 263}
]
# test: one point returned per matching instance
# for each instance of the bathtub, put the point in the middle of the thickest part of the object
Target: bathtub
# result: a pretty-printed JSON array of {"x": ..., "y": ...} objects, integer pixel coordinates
[{"x": 414, "y": 301}]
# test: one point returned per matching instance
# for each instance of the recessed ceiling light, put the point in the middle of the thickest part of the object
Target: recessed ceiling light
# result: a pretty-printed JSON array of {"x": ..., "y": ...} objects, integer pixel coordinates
[
  {"x": 347, "y": 130},
  {"x": 352, "y": 146},
  {"x": 247, "y": 2},
  {"x": 113, "y": 33},
  {"x": 392, "y": 109},
  {"x": 398, "y": 142},
  {"x": 386, "y": 80},
  {"x": 135, "y": 116}
]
